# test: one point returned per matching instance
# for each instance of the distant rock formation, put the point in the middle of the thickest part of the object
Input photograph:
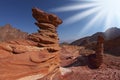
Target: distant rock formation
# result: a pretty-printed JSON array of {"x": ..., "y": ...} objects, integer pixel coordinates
[
  {"x": 95, "y": 60},
  {"x": 35, "y": 57},
  {"x": 110, "y": 36},
  {"x": 8, "y": 33},
  {"x": 113, "y": 46},
  {"x": 112, "y": 33}
]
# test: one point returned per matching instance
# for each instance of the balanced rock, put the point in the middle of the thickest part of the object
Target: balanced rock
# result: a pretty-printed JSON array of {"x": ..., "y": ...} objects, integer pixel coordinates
[
  {"x": 35, "y": 57},
  {"x": 47, "y": 34}
]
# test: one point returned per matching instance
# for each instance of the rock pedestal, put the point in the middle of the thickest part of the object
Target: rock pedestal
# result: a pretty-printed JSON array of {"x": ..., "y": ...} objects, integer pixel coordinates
[
  {"x": 95, "y": 60},
  {"x": 47, "y": 35}
]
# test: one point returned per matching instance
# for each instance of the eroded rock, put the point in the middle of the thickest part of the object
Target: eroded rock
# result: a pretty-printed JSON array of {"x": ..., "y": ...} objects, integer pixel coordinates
[
  {"x": 34, "y": 57},
  {"x": 47, "y": 35},
  {"x": 95, "y": 60}
]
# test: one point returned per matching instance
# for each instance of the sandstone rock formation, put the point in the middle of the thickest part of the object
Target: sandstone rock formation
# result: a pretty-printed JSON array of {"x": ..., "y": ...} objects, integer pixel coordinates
[
  {"x": 36, "y": 57},
  {"x": 95, "y": 60},
  {"x": 47, "y": 35}
]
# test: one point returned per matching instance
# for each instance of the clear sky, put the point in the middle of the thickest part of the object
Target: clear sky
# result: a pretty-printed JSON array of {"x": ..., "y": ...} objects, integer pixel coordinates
[{"x": 80, "y": 17}]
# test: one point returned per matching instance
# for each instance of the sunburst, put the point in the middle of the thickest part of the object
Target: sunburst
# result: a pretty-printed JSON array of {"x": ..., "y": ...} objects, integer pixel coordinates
[{"x": 108, "y": 9}]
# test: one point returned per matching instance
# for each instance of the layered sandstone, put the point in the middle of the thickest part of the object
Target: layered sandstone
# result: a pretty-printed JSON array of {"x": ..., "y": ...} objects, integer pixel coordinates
[
  {"x": 36, "y": 57},
  {"x": 47, "y": 34}
]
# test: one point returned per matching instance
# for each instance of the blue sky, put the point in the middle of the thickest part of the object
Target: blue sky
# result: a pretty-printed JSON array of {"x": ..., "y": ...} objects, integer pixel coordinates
[{"x": 18, "y": 14}]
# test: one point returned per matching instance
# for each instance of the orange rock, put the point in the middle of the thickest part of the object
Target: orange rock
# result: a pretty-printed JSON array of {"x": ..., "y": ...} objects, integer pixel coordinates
[
  {"x": 47, "y": 35},
  {"x": 43, "y": 17},
  {"x": 34, "y": 57}
]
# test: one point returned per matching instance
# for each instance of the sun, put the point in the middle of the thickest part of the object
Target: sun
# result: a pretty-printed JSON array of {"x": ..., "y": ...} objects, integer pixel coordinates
[
  {"x": 108, "y": 9},
  {"x": 110, "y": 5}
]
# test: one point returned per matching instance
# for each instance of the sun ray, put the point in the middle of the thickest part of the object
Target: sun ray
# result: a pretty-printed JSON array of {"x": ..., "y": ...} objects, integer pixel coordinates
[
  {"x": 74, "y": 7},
  {"x": 118, "y": 18},
  {"x": 79, "y": 16},
  {"x": 107, "y": 9},
  {"x": 90, "y": 24},
  {"x": 108, "y": 21}
]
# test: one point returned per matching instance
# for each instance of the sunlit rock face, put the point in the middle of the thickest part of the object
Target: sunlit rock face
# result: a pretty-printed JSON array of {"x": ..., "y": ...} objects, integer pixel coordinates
[
  {"x": 35, "y": 57},
  {"x": 47, "y": 34}
]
